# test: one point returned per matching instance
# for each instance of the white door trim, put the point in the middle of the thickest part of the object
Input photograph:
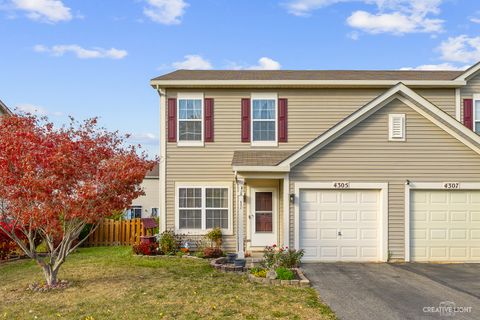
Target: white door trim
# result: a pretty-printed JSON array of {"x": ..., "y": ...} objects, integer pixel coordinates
[
  {"x": 447, "y": 185},
  {"x": 333, "y": 185},
  {"x": 275, "y": 214}
]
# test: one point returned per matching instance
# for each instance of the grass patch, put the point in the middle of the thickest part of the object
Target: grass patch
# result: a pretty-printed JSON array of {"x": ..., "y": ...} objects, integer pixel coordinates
[{"x": 110, "y": 283}]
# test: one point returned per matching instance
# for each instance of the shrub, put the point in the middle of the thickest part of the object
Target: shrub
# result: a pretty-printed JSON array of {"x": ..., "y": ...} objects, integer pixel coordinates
[
  {"x": 199, "y": 254},
  {"x": 211, "y": 252},
  {"x": 259, "y": 272},
  {"x": 168, "y": 242},
  {"x": 285, "y": 274},
  {"x": 274, "y": 257},
  {"x": 146, "y": 249},
  {"x": 215, "y": 236}
]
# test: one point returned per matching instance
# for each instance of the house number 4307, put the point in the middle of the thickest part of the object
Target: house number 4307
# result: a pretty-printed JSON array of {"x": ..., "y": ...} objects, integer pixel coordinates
[{"x": 451, "y": 185}]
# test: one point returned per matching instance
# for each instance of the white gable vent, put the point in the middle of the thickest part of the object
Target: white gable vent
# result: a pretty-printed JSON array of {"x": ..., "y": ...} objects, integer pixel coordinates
[{"x": 396, "y": 127}]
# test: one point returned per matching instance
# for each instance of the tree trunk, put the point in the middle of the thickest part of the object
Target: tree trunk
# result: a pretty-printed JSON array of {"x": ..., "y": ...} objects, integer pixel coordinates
[{"x": 50, "y": 275}]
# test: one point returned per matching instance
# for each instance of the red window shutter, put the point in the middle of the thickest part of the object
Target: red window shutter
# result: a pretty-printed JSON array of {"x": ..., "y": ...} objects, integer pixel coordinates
[
  {"x": 468, "y": 113},
  {"x": 172, "y": 120},
  {"x": 208, "y": 121},
  {"x": 282, "y": 120},
  {"x": 246, "y": 120}
]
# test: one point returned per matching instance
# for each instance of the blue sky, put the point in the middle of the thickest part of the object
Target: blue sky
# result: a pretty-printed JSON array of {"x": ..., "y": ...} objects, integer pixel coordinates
[{"x": 94, "y": 58}]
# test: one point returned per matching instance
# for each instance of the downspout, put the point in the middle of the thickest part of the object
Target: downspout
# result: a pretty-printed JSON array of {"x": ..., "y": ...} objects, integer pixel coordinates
[{"x": 163, "y": 160}]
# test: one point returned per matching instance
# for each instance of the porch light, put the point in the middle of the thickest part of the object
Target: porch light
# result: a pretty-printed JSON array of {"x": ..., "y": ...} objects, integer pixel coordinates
[{"x": 292, "y": 198}]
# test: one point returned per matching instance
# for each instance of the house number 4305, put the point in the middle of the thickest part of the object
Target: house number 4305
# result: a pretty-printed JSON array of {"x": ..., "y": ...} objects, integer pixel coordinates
[{"x": 341, "y": 185}]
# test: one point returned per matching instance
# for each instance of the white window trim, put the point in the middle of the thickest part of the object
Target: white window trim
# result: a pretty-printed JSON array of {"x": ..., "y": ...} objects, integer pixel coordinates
[
  {"x": 476, "y": 97},
  {"x": 203, "y": 230},
  {"x": 409, "y": 186},
  {"x": 392, "y": 116},
  {"x": 383, "y": 207},
  {"x": 264, "y": 96},
  {"x": 197, "y": 96}
]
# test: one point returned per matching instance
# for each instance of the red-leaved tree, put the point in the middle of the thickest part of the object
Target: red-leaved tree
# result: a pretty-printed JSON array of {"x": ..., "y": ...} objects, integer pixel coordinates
[{"x": 54, "y": 181}]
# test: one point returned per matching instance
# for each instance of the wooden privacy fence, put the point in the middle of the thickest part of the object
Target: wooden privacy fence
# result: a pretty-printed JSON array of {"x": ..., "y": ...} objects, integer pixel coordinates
[{"x": 116, "y": 233}]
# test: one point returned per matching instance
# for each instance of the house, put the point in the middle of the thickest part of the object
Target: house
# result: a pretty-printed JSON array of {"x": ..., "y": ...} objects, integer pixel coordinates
[
  {"x": 4, "y": 109},
  {"x": 347, "y": 165},
  {"x": 146, "y": 206}
]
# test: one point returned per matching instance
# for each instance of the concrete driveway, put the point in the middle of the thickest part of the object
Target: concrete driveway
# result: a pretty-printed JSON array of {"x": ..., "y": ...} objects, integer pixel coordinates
[{"x": 398, "y": 291}]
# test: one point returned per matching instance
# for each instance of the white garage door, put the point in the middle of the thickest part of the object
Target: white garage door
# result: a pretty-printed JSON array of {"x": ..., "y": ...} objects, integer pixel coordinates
[
  {"x": 445, "y": 225},
  {"x": 339, "y": 225}
]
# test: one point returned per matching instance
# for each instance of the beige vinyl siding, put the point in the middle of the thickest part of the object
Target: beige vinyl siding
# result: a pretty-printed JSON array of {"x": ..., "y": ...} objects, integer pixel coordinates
[
  {"x": 364, "y": 154},
  {"x": 150, "y": 199},
  {"x": 310, "y": 113},
  {"x": 467, "y": 92}
]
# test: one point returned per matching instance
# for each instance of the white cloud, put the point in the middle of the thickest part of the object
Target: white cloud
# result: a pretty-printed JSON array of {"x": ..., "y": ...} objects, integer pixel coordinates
[
  {"x": 264, "y": 63},
  {"x": 463, "y": 49},
  {"x": 80, "y": 52},
  {"x": 193, "y": 62},
  {"x": 50, "y": 11},
  {"x": 392, "y": 16},
  {"x": 304, "y": 7},
  {"x": 440, "y": 66},
  {"x": 165, "y": 11},
  {"x": 396, "y": 23},
  {"x": 36, "y": 110},
  {"x": 475, "y": 20},
  {"x": 144, "y": 138}
]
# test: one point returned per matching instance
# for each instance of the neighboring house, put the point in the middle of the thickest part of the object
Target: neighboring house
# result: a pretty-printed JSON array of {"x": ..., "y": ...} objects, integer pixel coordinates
[
  {"x": 4, "y": 109},
  {"x": 146, "y": 206},
  {"x": 348, "y": 165}
]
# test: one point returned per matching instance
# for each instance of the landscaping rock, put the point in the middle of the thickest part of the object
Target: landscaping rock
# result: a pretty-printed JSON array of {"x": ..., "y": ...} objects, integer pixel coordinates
[{"x": 271, "y": 274}]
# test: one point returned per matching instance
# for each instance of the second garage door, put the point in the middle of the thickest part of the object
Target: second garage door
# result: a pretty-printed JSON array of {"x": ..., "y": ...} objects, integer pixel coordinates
[
  {"x": 445, "y": 225},
  {"x": 339, "y": 225}
]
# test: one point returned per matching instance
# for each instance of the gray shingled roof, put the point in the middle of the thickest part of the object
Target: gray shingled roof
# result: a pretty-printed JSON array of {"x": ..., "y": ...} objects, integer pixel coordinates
[
  {"x": 154, "y": 173},
  {"x": 309, "y": 75},
  {"x": 260, "y": 157}
]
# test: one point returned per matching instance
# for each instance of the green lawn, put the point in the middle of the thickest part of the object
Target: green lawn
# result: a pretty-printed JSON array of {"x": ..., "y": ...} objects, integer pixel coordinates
[{"x": 110, "y": 283}]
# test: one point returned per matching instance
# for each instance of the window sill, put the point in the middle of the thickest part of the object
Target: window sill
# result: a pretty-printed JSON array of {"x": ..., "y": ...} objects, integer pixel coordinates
[
  {"x": 264, "y": 144},
  {"x": 201, "y": 232},
  {"x": 190, "y": 144}
]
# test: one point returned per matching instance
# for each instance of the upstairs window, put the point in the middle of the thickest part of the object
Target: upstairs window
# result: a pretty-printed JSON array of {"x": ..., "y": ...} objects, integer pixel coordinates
[
  {"x": 190, "y": 119},
  {"x": 476, "y": 113},
  {"x": 264, "y": 119}
]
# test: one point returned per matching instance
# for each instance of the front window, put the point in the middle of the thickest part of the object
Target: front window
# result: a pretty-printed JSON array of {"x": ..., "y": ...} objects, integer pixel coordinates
[
  {"x": 264, "y": 120},
  {"x": 202, "y": 208},
  {"x": 190, "y": 208},
  {"x": 190, "y": 119},
  {"x": 217, "y": 208}
]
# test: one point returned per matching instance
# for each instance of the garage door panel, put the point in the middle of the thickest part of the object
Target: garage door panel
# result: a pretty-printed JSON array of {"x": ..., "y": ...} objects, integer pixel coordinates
[
  {"x": 451, "y": 230},
  {"x": 438, "y": 234},
  {"x": 349, "y": 215},
  {"x": 328, "y": 234},
  {"x": 458, "y": 234},
  {"x": 347, "y": 223},
  {"x": 326, "y": 216},
  {"x": 458, "y": 215}
]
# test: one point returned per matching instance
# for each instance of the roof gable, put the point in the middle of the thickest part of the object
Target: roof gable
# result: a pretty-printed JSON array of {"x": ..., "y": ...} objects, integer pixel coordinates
[{"x": 404, "y": 94}]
